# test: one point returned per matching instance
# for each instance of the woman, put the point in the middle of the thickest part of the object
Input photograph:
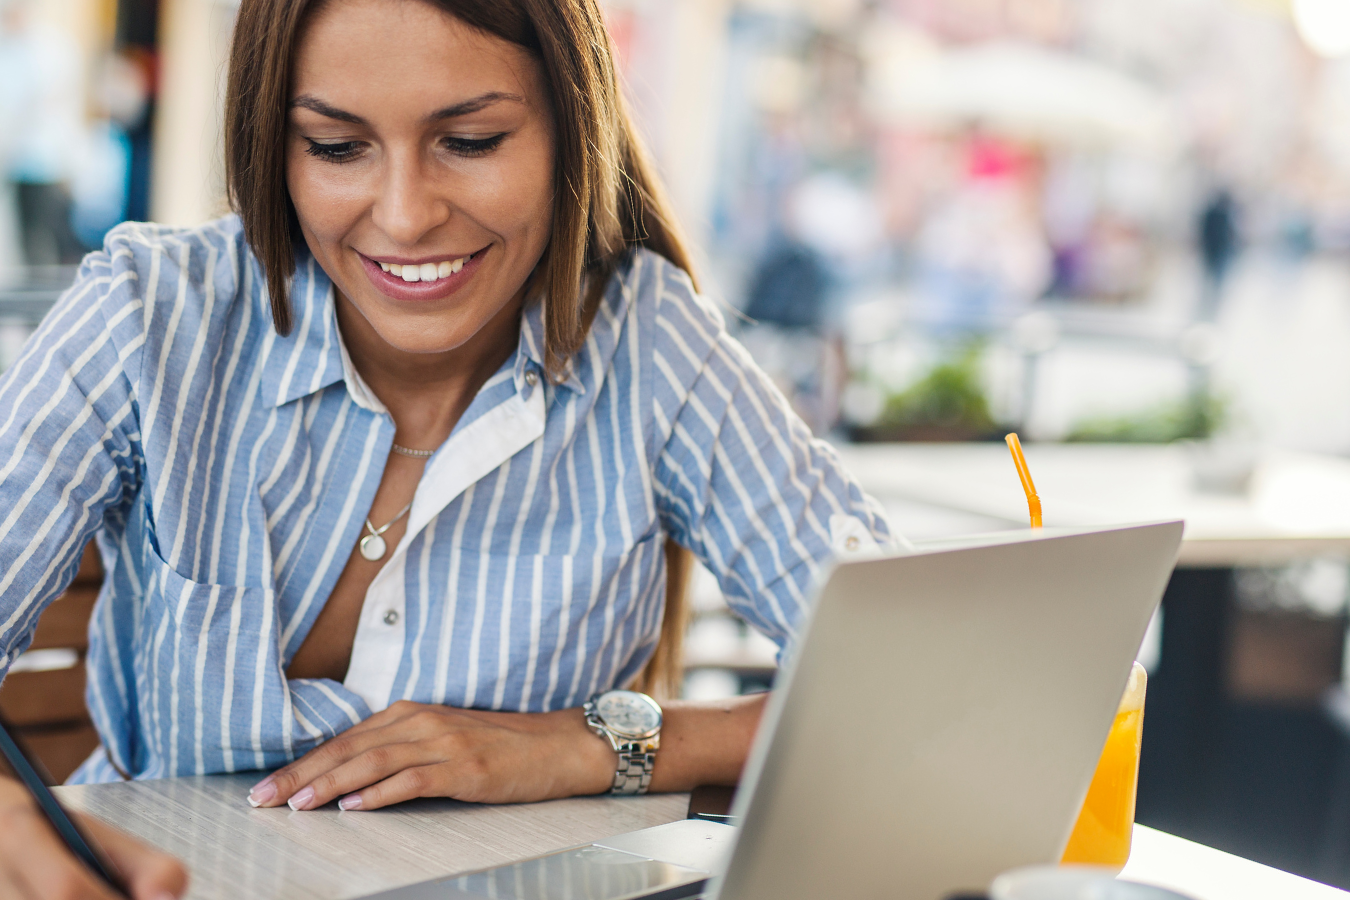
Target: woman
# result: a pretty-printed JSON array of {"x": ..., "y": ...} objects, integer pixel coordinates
[{"x": 381, "y": 469}]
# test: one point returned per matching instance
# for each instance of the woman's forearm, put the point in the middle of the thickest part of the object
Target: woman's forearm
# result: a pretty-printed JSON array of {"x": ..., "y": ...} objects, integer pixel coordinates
[
  {"x": 427, "y": 750},
  {"x": 705, "y": 743},
  {"x": 701, "y": 743}
]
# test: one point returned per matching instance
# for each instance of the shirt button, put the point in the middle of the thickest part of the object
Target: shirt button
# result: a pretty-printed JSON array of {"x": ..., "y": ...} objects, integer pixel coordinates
[
  {"x": 391, "y": 617},
  {"x": 851, "y": 543},
  {"x": 531, "y": 378}
]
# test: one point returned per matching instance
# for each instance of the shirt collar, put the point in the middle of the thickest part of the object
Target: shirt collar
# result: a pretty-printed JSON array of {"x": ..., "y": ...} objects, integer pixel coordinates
[
  {"x": 313, "y": 355},
  {"x": 532, "y": 345},
  {"x": 310, "y": 358}
]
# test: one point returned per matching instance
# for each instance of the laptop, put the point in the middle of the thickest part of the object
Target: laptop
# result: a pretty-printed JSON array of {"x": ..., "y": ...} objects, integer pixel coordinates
[{"x": 939, "y": 724}]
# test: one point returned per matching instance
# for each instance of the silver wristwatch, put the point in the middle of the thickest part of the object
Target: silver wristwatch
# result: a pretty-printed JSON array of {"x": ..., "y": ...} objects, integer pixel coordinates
[{"x": 631, "y": 722}]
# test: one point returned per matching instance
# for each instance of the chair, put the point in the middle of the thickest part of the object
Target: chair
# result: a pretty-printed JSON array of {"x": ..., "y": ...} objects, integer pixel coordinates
[{"x": 43, "y": 696}]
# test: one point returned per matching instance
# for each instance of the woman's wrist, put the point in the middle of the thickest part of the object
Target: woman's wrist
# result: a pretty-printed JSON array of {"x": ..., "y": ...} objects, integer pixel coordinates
[
  {"x": 701, "y": 743},
  {"x": 592, "y": 760}
]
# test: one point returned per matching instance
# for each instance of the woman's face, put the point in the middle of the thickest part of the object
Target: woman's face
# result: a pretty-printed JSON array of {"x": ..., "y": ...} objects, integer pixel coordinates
[{"x": 420, "y": 162}]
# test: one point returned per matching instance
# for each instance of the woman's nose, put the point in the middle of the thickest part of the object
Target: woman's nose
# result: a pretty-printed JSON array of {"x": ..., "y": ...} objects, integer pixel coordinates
[{"x": 408, "y": 205}]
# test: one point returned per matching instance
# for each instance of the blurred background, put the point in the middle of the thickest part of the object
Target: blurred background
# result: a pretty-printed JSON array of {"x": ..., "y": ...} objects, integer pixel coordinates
[{"x": 1118, "y": 227}]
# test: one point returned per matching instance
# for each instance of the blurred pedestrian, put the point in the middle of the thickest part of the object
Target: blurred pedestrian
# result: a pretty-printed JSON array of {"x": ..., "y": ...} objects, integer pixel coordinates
[
  {"x": 982, "y": 250},
  {"x": 101, "y": 175},
  {"x": 40, "y": 102},
  {"x": 1218, "y": 248}
]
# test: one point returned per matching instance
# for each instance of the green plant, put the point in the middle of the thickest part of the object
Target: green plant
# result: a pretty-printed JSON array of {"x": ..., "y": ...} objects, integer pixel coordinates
[
  {"x": 950, "y": 395},
  {"x": 1195, "y": 418}
]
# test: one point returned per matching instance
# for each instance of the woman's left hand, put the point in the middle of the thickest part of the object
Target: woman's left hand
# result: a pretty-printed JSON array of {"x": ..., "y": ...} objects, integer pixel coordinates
[{"x": 420, "y": 750}]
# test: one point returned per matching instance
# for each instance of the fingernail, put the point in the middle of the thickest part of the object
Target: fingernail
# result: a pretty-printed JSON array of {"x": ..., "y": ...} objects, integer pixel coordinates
[
  {"x": 301, "y": 798},
  {"x": 261, "y": 794},
  {"x": 351, "y": 801}
]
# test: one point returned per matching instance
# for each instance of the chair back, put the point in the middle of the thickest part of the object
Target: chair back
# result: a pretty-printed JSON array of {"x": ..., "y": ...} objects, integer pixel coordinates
[{"x": 44, "y": 696}]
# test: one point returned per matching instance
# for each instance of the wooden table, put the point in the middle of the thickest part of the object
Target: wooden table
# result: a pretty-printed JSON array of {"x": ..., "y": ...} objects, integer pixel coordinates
[{"x": 235, "y": 851}]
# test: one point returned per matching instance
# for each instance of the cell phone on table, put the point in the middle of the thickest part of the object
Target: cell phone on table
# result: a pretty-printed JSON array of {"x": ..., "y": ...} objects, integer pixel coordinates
[{"x": 71, "y": 834}]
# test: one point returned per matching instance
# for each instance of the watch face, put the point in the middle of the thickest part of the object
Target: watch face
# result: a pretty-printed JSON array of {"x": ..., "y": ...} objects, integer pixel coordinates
[{"x": 629, "y": 713}]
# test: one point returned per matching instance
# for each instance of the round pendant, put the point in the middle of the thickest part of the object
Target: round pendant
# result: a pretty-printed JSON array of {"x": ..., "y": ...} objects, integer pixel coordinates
[{"x": 373, "y": 547}]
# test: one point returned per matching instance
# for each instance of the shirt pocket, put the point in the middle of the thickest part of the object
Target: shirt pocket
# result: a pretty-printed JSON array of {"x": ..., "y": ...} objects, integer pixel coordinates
[{"x": 202, "y": 650}]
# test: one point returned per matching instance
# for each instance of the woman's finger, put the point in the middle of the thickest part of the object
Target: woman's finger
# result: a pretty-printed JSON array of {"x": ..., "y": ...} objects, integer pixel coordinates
[
  {"x": 150, "y": 874},
  {"x": 374, "y": 765},
  {"x": 290, "y": 783},
  {"x": 281, "y": 786},
  {"x": 267, "y": 794},
  {"x": 11, "y": 886},
  {"x": 39, "y": 863},
  {"x": 405, "y": 723},
  {"x": 409, "y": 784}
]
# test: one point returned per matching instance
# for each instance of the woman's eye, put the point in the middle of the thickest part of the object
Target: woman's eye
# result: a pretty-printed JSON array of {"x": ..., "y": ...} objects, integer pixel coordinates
[
  {"x": 338, "y": 153},
  {"x": 473, "y": 146}
]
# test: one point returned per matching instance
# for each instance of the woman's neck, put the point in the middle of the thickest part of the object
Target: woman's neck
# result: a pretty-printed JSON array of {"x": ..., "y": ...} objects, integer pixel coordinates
[{"x": 427, "y": 393}]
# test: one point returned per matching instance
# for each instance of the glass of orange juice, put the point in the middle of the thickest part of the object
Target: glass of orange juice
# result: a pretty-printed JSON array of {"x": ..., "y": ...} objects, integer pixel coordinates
[{"x": 1102, "y": 834}]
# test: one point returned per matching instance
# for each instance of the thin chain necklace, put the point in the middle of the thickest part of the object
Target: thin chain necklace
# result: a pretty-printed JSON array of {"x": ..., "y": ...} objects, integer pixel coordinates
[
  {"x": 416, "y": 454},
  {"x": 373, "y": 546}
]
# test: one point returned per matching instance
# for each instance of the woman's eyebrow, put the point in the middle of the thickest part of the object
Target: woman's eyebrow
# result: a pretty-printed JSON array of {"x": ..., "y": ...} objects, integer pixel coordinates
[
  {"x": 314, "y": 104},
  {"x": 482, "y": 101},
  {"x": 463, "y": 108}
]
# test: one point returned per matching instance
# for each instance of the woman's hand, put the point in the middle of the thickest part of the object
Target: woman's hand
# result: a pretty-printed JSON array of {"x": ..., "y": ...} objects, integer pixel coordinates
[
  {"x": 419, "y": 750},
  {"x": 35, "y": 864}
]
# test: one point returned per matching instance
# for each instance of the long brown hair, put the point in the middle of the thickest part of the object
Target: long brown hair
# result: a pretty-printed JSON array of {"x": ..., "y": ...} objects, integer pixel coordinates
[{"x": 607, "y": 196}]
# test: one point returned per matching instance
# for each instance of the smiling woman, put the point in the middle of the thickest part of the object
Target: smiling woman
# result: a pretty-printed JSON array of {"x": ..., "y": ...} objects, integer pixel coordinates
[{"x": 385, "y": 467}]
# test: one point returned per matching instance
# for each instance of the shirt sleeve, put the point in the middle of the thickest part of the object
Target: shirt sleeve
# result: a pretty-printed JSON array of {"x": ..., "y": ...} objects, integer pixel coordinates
[
  {"x": 67, "y": 426},
  {"x": 739, "y": 479}
]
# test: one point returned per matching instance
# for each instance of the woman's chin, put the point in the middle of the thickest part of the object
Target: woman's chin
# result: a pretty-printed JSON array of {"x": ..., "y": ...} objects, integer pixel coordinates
[{"x": 418, "y": 338}]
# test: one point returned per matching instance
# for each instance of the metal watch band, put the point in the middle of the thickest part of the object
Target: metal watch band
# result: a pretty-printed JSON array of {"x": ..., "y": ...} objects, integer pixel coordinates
[{"x": 634, "y": 774}]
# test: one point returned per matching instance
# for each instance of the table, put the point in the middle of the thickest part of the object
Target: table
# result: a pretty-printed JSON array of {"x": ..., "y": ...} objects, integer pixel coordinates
[
  {"x": 1295, "y": 506},
  {"x": 1202, "y": 772},
  {"x": 235, "y": 851},
  {"x": 1207, "y": 874}
]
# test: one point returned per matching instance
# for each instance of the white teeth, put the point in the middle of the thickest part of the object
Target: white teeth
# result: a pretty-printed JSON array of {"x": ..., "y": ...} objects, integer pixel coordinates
[{"x": 425, "y": 271}]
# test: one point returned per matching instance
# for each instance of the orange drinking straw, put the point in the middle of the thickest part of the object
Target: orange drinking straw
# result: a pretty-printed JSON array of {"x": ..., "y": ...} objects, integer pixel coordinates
[{"x": 1033, "y": 501}]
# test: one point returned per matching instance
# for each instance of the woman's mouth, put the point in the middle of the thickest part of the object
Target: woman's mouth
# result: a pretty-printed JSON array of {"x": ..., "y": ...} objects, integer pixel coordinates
[
  {"x": 422, "y": 280},
  {"x": 425, "y": 271}
]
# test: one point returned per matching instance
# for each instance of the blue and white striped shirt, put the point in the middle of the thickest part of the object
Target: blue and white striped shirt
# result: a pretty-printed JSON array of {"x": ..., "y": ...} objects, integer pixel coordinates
[{"x": 227, "y": 473}]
